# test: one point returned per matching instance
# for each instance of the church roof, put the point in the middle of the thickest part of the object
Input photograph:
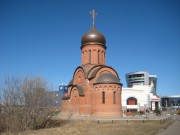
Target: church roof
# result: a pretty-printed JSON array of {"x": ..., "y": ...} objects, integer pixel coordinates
[
  {"x": 107, "y": 78},
  {"x": 80, "y": 90},
  {"x": 93, "y": 37},
  {"x": 70, "y": 83},
  {"x": 90, "y": 71}
]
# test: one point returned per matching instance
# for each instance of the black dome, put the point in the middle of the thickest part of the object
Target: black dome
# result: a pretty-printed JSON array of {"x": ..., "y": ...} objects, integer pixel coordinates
[
  {"x": 93, "y": 37},
  {"x": 107, "y": 78}
]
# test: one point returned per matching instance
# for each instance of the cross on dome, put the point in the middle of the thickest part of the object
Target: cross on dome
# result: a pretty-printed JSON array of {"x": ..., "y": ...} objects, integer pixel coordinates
[{"x": 93, "y": 13}]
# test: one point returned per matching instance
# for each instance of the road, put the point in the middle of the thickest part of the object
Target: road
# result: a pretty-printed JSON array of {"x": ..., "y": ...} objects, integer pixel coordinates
[{"x": 173, "y": 129}]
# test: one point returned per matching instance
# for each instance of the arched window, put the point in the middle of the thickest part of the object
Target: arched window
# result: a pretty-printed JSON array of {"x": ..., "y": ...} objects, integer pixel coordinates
[
  {"x": 114, "y": 97},
  {"x": 98, "y": 57},
  {"x": 103, "y": 97},
  {"x": 131, "y": 101},
  {"x": 104, "y": 55},
  {"x": 89, "y": 56}
]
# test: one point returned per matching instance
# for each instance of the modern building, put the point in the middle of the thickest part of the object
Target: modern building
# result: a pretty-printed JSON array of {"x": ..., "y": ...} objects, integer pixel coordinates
[
  {"x": 58, "y": 95},
  {"x": 63, "y": 88},
  {"x": 136, "y": 99},
  {"x": 141, "y": 78},
  {"x": 170, "y": 102},
  {"x": 95, "y": 88},
  {"x": 140, "y": 94}
]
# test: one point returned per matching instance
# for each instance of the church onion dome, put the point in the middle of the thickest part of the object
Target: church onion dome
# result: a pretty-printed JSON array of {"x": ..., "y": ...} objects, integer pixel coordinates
[
  {"x": 93, "y": 37},
  {"x": 106, "y": 78}
]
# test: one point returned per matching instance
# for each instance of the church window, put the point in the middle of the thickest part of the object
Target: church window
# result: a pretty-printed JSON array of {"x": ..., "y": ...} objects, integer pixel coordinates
[
  {"x": 131, "y": 101},
  {"x": 114, "y": 97},
  {"x": 103, "y": 97},
  {"x": 98, "y": 57},
  {"x": 89, "y": 56}
]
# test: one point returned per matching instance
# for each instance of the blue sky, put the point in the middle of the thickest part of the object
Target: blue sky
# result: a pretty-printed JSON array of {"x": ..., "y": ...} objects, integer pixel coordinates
[{"x": 43, "y": 37}]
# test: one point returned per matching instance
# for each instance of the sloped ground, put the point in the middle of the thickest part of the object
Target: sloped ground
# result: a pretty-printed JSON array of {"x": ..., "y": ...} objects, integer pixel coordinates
[
  {"x": 89, "y": 127},
  {"x": 136, "y": 125}
]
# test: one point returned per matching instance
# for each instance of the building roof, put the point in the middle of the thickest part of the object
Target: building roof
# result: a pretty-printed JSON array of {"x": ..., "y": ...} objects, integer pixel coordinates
[
  {"x": 93, "y": 37},
  {"x": 173, "y": 96},
  {"x": 90, "y": 71},
  {"x": 107, "y": 78},
  {"x": 80, "y": 90}
]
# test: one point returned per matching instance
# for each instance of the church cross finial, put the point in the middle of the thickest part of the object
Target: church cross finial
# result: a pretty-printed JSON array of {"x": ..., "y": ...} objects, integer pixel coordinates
[{"x": 93, "y": 13}]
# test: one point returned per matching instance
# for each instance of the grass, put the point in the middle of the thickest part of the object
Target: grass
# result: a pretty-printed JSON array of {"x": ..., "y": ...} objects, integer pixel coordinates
[{"x": 89, "y": 127}]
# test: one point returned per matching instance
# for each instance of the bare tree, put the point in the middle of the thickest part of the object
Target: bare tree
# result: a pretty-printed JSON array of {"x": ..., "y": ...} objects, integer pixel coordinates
[{"x": 26, "y": 103}]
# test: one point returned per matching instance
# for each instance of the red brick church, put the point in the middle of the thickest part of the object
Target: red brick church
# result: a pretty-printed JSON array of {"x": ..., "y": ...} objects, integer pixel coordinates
[{"x": 95, "y": 89}]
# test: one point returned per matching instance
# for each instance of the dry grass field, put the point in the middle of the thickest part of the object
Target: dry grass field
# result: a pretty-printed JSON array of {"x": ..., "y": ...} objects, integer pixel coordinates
[{"x": 89, "y": 127}]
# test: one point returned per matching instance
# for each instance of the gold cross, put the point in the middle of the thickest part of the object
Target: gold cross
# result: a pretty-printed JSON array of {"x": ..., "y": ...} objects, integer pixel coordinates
[{"x": 93, "y": 13}]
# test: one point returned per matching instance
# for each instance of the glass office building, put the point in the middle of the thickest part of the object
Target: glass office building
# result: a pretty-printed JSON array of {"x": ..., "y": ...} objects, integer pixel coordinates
[{"x": 170, "y": 102}]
